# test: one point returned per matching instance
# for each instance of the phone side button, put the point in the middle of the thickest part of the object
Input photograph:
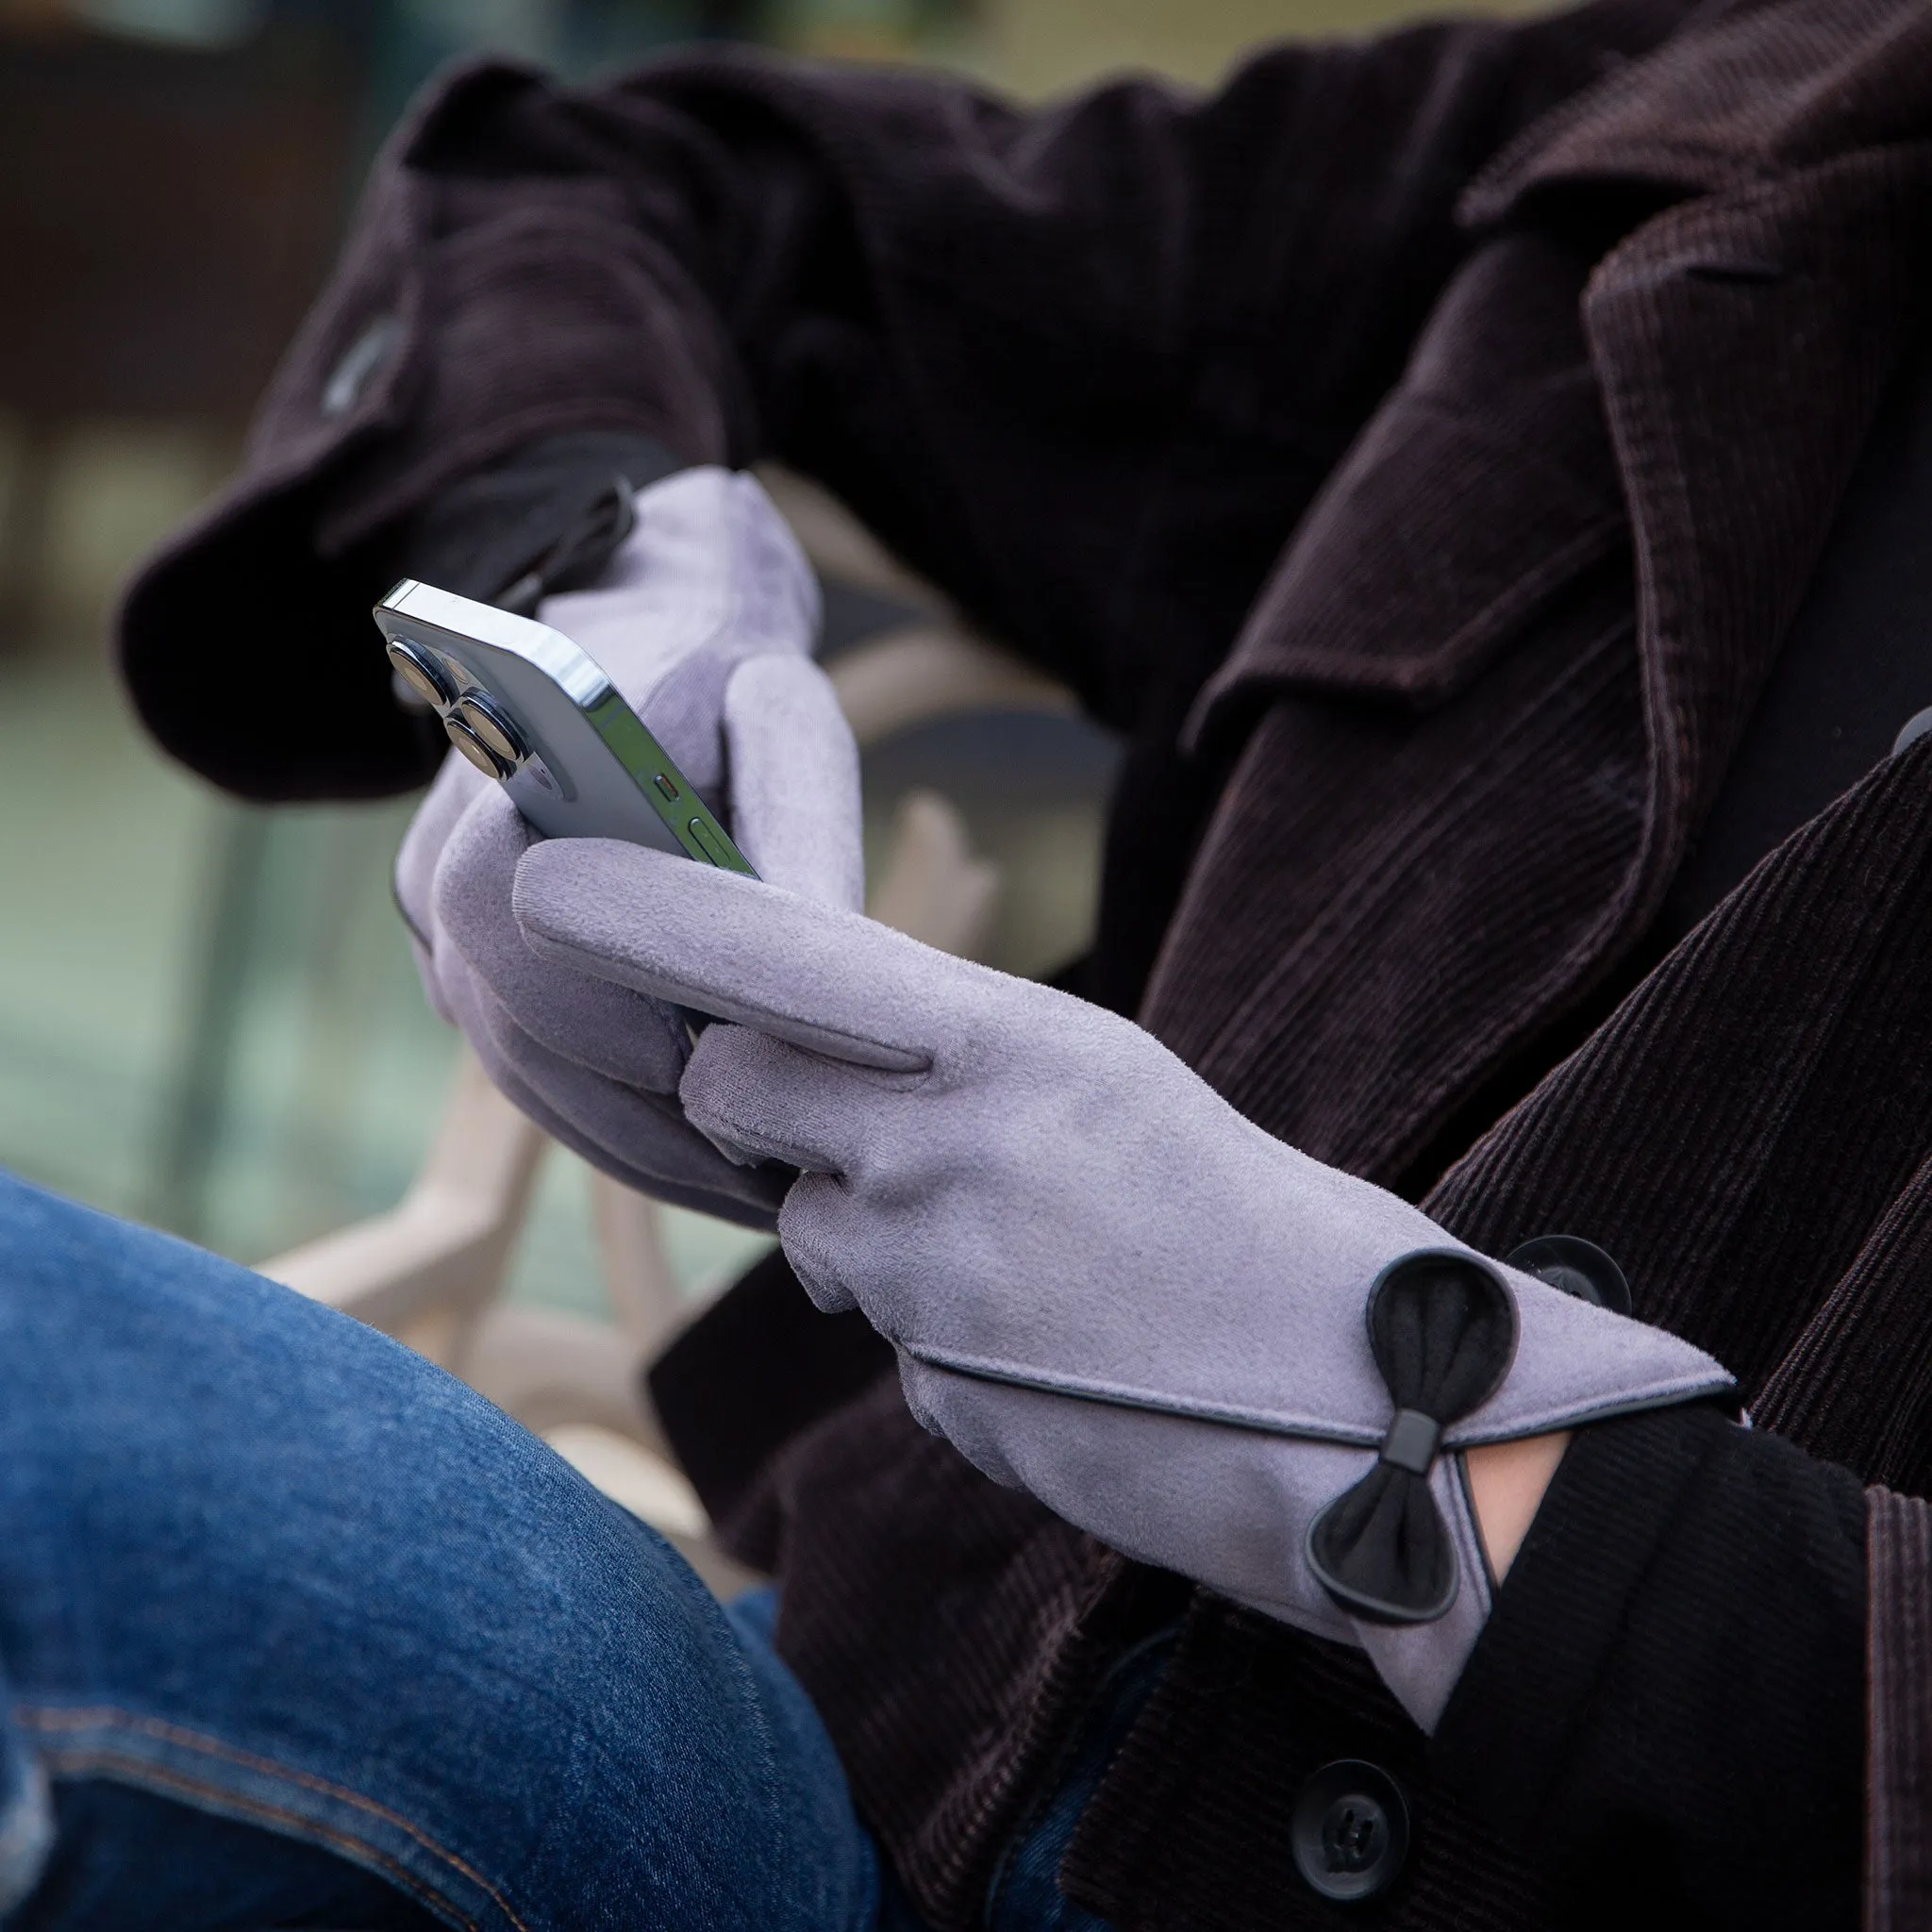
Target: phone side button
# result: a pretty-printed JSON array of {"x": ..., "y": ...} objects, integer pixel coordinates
[
  {"x": 708, "y": 843},
  {"x": 665, "y": 786}
]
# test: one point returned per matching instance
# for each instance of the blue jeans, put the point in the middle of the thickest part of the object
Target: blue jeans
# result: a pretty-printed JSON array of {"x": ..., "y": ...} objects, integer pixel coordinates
[{"x": 297, "y": 1630}]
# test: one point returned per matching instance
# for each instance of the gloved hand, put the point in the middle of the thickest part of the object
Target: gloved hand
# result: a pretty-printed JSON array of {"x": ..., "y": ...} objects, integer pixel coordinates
[
  {"x": 1105, "y": 1285},
  {"x": 705, "y": 622}
]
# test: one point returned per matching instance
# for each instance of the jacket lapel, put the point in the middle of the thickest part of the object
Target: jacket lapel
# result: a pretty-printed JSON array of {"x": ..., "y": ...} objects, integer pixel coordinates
[
  {"x": 1743, "y": 338},
  {"x": 1742, "y": 341}
]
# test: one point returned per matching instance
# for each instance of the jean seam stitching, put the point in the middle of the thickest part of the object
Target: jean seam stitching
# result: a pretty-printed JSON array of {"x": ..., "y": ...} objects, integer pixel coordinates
[
  {"x": 167, "y": 1778},
  {"x": 769, "y": 1774},
  {"x": 52, "y": 1720}
]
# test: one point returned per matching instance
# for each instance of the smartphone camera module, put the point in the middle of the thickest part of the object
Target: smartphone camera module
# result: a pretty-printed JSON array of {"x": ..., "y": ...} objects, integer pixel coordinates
[{"x": 530, "y": 709}]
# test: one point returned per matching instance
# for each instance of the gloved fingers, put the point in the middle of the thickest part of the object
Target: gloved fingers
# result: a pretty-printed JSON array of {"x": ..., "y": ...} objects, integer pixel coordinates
[
  {"x": 710, "y": 577},
  {"x": 750, "y": 1094},
  {"x": 718, "y": 551},
  {"x": 795, "y": 780},
  {"x": 639, "y": 1138},
  {"x": 665, "y": 592},
  {"x": 458, "y": 786},
  {"x": 653, "y": 622},
  {"x": 709, "y": 567},
  {"x": 720, "y": 568},
  {"x": 683, "y": 710},
  {"x": 831, "y": 981},
  {"x": 603, "y": 1028},
  {"x": 778, "y": 597}
]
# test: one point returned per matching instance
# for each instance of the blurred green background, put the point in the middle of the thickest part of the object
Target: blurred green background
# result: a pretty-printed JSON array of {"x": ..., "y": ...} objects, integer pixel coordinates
[{"x": 209, "y": 1018}]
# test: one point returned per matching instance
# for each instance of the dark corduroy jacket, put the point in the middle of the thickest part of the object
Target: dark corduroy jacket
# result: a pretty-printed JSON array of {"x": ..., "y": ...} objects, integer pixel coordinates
[{"x": 1418, "y": 450}]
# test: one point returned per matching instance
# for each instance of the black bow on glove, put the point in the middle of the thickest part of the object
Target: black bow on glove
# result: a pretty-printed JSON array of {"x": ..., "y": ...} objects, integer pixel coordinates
[{"x": 1443, "y": 1330}]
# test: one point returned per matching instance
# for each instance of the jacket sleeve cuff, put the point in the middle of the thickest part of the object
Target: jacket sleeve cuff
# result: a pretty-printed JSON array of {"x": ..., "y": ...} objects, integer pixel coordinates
[
  {"x": 629, "y": 345},
  {"x": 413, "y": 373}
]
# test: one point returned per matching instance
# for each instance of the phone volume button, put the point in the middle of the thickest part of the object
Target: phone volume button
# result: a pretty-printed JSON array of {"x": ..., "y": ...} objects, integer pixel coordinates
[{"x": 708, "y": 843}]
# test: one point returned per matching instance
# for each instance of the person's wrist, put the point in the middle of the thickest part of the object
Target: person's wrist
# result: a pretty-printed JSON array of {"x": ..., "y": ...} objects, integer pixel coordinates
[{"x": 1507, "y": 1485}]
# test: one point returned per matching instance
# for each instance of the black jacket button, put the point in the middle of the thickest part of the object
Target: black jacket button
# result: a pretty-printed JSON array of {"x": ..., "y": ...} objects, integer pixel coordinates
[
  {"x": 1909, "y": 733},
  {"x": 1350, "y": 1831},
  {"x": 1578, "y": 1267}
]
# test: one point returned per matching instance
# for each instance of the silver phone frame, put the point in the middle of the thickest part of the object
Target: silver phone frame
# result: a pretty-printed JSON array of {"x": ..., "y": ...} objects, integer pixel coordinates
[{"x": 422, "y": 614}]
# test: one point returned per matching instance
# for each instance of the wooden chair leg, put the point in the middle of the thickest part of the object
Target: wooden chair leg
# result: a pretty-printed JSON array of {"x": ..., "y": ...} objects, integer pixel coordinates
[{"x": 424, "y": 1271}]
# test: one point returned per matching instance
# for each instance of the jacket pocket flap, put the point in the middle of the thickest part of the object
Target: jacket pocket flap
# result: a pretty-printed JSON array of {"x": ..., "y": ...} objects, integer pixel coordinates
[
  {"x": 1434, "y": 545},
  {"x": 1482, "y": 486}
]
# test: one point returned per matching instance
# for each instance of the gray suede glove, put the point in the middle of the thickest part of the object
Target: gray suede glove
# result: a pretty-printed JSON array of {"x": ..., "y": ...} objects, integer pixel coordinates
[
  {"x": 1105, "y": 1285},
  {"x": 705, "y": 622}
]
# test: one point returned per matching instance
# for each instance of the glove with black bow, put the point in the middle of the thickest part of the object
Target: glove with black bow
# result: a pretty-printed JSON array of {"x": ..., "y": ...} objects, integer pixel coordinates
[{"x": 1106, "y": 1286}]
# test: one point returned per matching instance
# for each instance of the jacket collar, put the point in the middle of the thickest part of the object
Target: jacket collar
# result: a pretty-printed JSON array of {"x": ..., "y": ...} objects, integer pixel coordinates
[
  {"x": 1742, "y": 341},
  {"x": 1742, "y": 337},
  {"x": 1745, "y": 91}
]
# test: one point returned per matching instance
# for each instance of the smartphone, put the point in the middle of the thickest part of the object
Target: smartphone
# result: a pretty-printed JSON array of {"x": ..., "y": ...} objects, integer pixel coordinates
[{"x": 534, "y": 711}]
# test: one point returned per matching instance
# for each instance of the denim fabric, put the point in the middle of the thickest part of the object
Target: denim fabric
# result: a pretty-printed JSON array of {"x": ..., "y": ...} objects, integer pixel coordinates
[
  {"x": 286, "y": 1611},
  {"x": 1026, "y": 1896},
  {"x": 125, "y": 1856}
]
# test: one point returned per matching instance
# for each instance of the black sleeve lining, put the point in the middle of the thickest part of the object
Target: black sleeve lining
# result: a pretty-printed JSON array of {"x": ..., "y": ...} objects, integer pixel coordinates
[
  {"x": 1667, "y": 1703},
  {"x": 514, "y": 524}
]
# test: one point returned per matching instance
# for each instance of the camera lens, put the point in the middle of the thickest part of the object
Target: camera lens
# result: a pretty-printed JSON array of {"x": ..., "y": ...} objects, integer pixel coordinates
[
  {"x": 473, "y": 748},
  {"x": 493, "y": 725},
  {"x": 422, "y": 672}
]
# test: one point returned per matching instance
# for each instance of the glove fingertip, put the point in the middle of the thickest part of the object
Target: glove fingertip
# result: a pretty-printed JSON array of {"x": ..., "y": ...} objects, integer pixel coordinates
[{"x": 794, "y": 779}]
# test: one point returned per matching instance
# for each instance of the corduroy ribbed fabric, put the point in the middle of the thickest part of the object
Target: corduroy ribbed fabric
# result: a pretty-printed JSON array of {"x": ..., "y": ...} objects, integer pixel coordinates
[
  {"x": 1745, "y": 1137},
  {"x": 1898, "y": 1697}
]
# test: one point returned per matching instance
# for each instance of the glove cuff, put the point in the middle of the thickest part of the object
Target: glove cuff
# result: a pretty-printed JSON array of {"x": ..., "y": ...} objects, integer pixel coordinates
[{"x": 1400, "y": 1552}]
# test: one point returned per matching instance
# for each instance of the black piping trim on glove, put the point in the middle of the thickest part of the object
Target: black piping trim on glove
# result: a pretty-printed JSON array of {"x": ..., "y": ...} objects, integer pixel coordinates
[{"x": 1443, "y": 1330}]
